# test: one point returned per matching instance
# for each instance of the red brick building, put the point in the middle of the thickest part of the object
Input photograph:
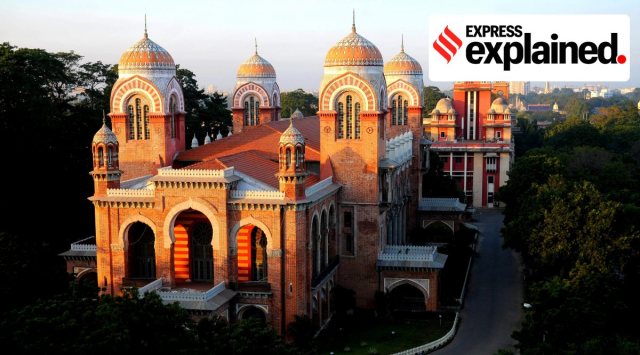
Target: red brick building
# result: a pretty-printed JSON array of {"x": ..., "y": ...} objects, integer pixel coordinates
[
  {"x": 472, "y": 135},
  {"x": 267, "y": 221}
]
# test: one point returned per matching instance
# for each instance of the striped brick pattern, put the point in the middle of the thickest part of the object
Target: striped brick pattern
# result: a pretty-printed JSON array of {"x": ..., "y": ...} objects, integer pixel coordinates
[
  {"x": 181, "y": 253},
  {"x": 244, "y": 253}
]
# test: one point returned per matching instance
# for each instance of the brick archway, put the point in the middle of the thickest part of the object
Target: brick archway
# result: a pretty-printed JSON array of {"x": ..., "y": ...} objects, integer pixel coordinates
[{"x": 198, "y": 205}]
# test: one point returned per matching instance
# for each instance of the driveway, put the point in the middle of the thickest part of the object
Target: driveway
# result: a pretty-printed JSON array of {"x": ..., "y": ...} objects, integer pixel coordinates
[{"x": 492, "y": 308}]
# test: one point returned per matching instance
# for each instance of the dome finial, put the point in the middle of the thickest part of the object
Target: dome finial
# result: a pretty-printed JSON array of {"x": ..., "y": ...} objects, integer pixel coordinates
[
  {"x": 146, "y": 35},
  {"x": 402, "y": 43},
  {"x": 104, "y": 118},
  {"x": 353, "y": 24},
  {"x": 256, "y": 43}
]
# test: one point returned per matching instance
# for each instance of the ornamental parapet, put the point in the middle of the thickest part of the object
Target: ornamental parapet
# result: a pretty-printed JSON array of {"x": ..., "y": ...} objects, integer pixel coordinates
[
  {"x": 257, "y": 194},
  {"x": 200, "y": 173}
]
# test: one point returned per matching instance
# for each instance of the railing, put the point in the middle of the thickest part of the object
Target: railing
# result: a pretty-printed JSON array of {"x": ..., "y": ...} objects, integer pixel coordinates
[
  {"x": 436, "y": 344},
  {"x": 257, "y": 194},
  {"x": 441, "y": 204},
  {"x": 150, "y": 287},
  {"x": 190, "y": 295},
  {"x": 319, "y": 186},
  {"x": 185, "y": 172},
  {"x": 407, "y": 253},
  {"x": 78, "y": 246},
  {"x": 131, "y": 192}
]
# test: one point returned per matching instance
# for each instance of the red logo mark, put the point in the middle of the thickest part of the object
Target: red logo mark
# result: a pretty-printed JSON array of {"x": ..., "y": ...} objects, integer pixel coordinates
[{"x": 447, "y": 43}]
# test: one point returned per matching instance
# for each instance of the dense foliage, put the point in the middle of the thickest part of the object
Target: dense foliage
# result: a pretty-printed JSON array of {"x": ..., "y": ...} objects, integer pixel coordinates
[
  {"x": 298, "y": 99},
  {"x": 573, "y": 211},
  {"x": 128, "y": 325}
]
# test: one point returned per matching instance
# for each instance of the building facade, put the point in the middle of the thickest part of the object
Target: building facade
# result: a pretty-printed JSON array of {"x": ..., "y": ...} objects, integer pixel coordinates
[
  {"x": 268, "y": 221},
  {"x": 472, "y": 135}
]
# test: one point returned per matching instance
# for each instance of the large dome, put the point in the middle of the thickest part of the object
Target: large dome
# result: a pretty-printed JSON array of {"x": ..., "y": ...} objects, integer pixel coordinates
[
  {"x": 402, "y": 64},
  {"x": 353, "y": 50},
  {"x": 146, "y": 55},
  {"x": 256, "y": 67}
]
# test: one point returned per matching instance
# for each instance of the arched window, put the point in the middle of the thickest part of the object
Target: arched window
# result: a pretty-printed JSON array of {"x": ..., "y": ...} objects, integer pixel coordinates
[
  {"x": 394, "y": 113},
  {"x": 251, "y": 111},
  {"x": 340, "y": 120},
  {"x": 131, "y": 131},
  {"x": 288, "y": 159},
  {"x": 399, "y": 110},
  {"x": 324, "y": 236},
  {"x": 246, "y": 113},
  {"x": 138, "y": 118},
  {"x": 172, "y": 118},
  {"x": 258, "y": 255},
  {"x": 100, "y": 156},
  {"x": 349, "y": 116},
  {"x": 315, "y": 247},
  {"x": 405, "y": 112},
  {"x": 141, "y": 251},
  {"x": 299, "y": 157},
  {"x": 110, "y": 156},
  {"x": 147, "y": 129}
]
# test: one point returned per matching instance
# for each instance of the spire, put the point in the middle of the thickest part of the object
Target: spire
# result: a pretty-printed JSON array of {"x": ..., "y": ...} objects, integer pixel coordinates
[
  {"x": 353, "y": 24},
  {"x": 104, "y": 118},
  {"x": 146, "y": 35},
  {"x": 402, "y": 44},
  {"x": 256, "y": 43}
]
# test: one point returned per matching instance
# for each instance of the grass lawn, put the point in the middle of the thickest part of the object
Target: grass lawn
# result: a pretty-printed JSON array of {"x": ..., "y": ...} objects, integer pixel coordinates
[{"x": 373, "y": 336}]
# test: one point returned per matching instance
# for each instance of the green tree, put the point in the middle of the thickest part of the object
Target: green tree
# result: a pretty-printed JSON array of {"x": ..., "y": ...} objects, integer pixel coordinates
[
  {"x": 206, "y": 114},
  {"x": 298, "y": 99},
  {"x": 432, "y": 95}
]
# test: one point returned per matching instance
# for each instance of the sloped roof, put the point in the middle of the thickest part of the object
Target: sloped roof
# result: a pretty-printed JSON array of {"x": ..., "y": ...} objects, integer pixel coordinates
[
  {"x": 253, "y": 163},
  {"x": 261, "y": 139}
]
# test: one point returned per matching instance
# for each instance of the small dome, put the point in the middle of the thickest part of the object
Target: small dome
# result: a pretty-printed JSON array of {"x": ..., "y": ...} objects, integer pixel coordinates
[
  {"x": 256, "y": 67},
  {"x": 105, "y": 135},
  {"x": 353, "y": 50},
  {"x": 194, "y": 141},
  {"x": 444, "y": 106},
  {"x": 207, "y": 139},
  {"x": 297, "y": 114},
  {"x": 146, "y": 54},
  {"x": 499, "y": 105},
  {"x": 402, "y": 64},
  {"x": 291, "y": 136}
]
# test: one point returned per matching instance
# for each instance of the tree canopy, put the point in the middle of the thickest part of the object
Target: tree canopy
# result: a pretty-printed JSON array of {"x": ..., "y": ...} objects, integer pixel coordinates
[
  {"x": 306, "y": 102},
  {"x": 573, "y": 211}
]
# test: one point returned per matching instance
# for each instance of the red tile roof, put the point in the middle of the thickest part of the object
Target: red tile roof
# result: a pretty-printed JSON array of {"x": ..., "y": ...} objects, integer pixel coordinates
[
  {"x": 254, "y": 152},
  {"x": 263, "y": 138}
]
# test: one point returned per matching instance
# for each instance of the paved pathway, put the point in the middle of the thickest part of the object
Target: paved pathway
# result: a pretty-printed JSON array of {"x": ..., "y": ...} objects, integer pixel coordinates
[{"x": 492, "y": 308}]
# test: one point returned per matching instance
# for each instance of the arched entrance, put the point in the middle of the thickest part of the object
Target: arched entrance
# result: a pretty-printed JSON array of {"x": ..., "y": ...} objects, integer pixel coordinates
[
  {"x": 141, "y": 253},
  {"x": 193, "y": 254},
  {"x": 252, "y": 264},
  {"x": 407, "y": 298},
  {"x": 252, "y": 312}
]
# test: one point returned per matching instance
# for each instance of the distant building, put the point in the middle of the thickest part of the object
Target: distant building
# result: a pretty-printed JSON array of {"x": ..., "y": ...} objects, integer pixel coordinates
[
  {"x": 520, "y": 87},
  {"x": 539, "y": 107},
  {"x": 472, "y": 135},
  {"x": 555, "y": 107},
  {"x": 547, "y": 88}
]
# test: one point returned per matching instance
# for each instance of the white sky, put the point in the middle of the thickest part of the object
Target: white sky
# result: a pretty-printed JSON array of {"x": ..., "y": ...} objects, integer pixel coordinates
[{"x": 212, "y": 38}]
